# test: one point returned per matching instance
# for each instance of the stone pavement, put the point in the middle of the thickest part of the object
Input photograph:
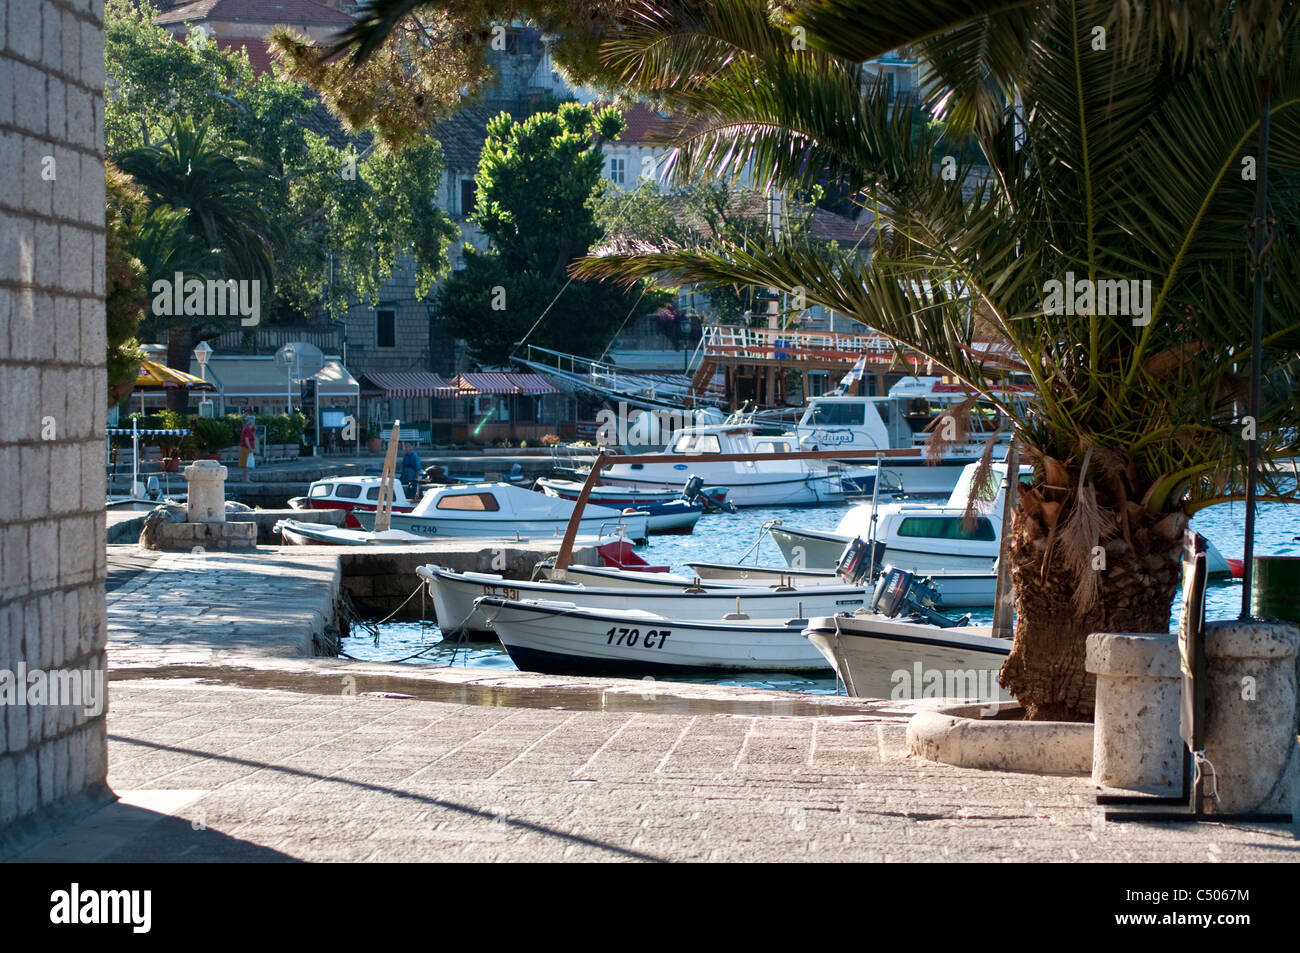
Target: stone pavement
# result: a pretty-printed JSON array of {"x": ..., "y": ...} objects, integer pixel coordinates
[{"x": 209, "y": 770}]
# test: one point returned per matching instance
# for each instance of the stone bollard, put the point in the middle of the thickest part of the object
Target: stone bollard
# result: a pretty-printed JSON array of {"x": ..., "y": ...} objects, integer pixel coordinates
[
  {"x": 1250, "y": 718},
  {"x": 1136, "y": 745},
  {"x": 207, "y": 492}
]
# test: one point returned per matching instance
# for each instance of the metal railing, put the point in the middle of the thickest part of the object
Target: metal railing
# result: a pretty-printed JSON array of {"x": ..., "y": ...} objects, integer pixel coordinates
[{"x": 791, "y": 343}]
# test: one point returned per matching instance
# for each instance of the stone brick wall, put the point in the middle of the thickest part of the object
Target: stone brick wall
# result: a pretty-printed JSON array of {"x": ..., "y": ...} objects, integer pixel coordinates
[{"x": 52, "y": 398}]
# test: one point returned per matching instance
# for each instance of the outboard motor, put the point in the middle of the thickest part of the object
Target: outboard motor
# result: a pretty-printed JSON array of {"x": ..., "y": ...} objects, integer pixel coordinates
[
  {"x": 855, "y": 563},
  {"x": 899, "y": 591},
  {"x": 892, "y": 587},
  {"x": 691, "y": 491},
  {"x": 152, "y": 489}
]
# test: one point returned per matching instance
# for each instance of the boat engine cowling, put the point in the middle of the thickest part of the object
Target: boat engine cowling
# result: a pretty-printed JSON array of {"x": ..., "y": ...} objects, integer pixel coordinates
[
  {"x": 899, "y": 591},
  {"x": 890, "y": 597},
  {"x": 855, "y": 564},
  {"x": 691, "y": 491}
]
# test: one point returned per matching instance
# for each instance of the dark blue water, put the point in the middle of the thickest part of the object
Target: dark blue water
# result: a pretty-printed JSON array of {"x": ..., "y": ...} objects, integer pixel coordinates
[{"x": 724, "y": 537}]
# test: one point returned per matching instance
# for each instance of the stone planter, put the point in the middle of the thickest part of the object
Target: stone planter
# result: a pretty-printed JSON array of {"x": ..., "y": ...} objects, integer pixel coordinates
[
  {"x": 996, "y": 738},
  {"x": 1250, "y": 718},
  {"x": 1136, "y": 743}
]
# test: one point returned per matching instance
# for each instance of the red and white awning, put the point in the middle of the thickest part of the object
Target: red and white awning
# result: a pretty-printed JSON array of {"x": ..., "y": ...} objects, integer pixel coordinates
[
  {"x": 502, "y": 383},
  {"x": 413, "y": 384}
]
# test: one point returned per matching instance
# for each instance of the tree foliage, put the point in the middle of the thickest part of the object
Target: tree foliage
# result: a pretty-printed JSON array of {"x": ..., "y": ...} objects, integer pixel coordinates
[
  {"x": 535, "y": 184},
  {"x": 342, "y": 212},
  {"x": 125, "y": 293}
]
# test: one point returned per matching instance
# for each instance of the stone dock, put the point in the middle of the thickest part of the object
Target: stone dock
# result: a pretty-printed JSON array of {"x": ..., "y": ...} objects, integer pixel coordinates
[{"x": 229, "y": 741}]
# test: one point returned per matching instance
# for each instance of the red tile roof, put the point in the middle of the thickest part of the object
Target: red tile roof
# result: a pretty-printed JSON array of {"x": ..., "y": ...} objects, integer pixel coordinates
[
  {"x": 259, "y": 52},
  {"x": 291, "y": 12}
]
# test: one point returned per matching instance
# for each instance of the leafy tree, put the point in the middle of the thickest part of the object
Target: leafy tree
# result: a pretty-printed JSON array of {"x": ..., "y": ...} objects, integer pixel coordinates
[
  {"x": 351, "y": 210},
  {"x": 125, "y": 293},
  {"x": 415, "y": 59},
  {"x": 535, "y": 182},
  {"x": 1122, "y": 163}
]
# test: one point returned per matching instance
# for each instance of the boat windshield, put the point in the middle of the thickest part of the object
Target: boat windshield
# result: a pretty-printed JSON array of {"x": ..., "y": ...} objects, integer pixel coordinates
[
  {"x": 835, "y": 414},
  {"x": 696, "y": 443}
]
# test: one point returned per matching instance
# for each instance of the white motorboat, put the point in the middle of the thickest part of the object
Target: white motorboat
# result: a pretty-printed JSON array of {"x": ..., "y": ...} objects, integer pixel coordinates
[
  {"x": 298, "y": 533},
  {"x": 755, "y": 482},
  {"x": 898, "y": 421},
  {"x": 958, "y": 590},
  {"x": 454, "y": 595},
  {"x": 879, "y": 654},
  {"x": 352, "y": 494},
  {"x": 501, "y": 510},
  {"x": 919, "y": 537},
  {"x": 560, "y": 638},
  {"x": 928, "y": 538},
  {"x": 622, "y": 497}
]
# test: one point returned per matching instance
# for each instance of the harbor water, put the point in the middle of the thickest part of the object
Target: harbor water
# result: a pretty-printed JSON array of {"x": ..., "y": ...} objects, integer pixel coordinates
[{"x": 729, "y": 537}]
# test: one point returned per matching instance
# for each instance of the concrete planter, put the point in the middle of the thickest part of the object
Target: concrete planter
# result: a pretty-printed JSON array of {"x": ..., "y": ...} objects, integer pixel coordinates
[
  {"x": 1250, "y": 717},
  {"x": 994, "y": 737},
  {"x": 1139, "y": 683}
]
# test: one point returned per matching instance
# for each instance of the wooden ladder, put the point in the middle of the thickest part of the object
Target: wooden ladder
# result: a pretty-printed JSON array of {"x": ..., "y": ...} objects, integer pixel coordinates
[{"x": 703, "y": 376}]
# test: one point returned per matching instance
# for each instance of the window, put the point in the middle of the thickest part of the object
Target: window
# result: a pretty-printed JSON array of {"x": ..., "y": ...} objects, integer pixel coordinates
[
  {"x": 477, "y": 502},
  {"x": 468, "y": 197},
  {"x": 772, "y": 446},
  {"x": 348, "y": 491},
  {"x": 947, "y": 527},
  {"x": 617, "y": 170},
  {"x": 386, "y": 328},
  {"x": 321, "y": 489},
  {"x": 836, "y": 415},
  {"x": 697, "y": 443},
  {"x": 373, "y": 493}
]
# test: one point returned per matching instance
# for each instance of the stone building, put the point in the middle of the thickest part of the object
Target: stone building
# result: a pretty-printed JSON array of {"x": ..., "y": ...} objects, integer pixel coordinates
[{"x": 53, "y": 391}]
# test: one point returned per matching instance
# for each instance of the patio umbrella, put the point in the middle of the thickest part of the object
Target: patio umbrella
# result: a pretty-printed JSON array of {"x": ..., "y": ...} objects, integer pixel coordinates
[{"x": 155, "y": 376}]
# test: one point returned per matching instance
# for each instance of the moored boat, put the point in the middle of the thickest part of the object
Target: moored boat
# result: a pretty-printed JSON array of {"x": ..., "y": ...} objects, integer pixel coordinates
[
  {"x": 502, "y": 510},
  {"x": 454, "y": 595},
  {"x": 958, "y": 590},
  {"x": 895, "y": 647},
  {"x": 561, "y": 638},
  {"x": 352, "y": 494}
]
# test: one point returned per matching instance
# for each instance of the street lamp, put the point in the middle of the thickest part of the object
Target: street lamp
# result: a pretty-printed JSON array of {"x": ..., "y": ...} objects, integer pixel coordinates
[{"x": 201, "y": 354}]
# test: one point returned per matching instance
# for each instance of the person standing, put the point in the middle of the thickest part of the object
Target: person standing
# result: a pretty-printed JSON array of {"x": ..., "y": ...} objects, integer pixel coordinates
[
  {"x": 411, "y": 471},
  {"x": 247, "y": 444}
]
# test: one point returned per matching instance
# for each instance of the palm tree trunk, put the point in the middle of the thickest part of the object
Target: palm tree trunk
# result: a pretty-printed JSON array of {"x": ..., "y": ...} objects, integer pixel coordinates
[{"x": 1045, "y": 669}]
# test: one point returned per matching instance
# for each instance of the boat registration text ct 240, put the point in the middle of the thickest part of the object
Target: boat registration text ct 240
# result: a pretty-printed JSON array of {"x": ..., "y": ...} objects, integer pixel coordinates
[{"x": 654, "y": 639}]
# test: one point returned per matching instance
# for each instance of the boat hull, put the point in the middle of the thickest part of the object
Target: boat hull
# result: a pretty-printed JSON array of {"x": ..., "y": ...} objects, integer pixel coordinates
[
  {"x": 959, "y": 590},
  {"x": 480, "y": 527},
  {"x": 793, "y": 491},
  {"x": 560, "y": 640},
  {"x": 877, "y": 657},
  {"x": 812, "y": 549},
  {"x": 454, "y": 596}
]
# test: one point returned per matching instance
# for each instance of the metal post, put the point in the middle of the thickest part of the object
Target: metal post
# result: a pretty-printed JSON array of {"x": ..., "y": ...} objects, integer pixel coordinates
[
  {"x": 1259, "y": 228},
  {"x": 1003, "y": 605}
]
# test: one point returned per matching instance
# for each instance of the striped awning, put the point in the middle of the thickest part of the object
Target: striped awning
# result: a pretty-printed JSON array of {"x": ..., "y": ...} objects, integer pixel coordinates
[
  {"x": 504, "y": 383},
  {"x": 413, "y": 384}
]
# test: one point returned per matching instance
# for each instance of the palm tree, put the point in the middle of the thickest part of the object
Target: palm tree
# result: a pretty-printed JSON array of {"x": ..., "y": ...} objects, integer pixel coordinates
[
  {"x": 205, "y": 218},
  {"x": 1118, "y": 160}
]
